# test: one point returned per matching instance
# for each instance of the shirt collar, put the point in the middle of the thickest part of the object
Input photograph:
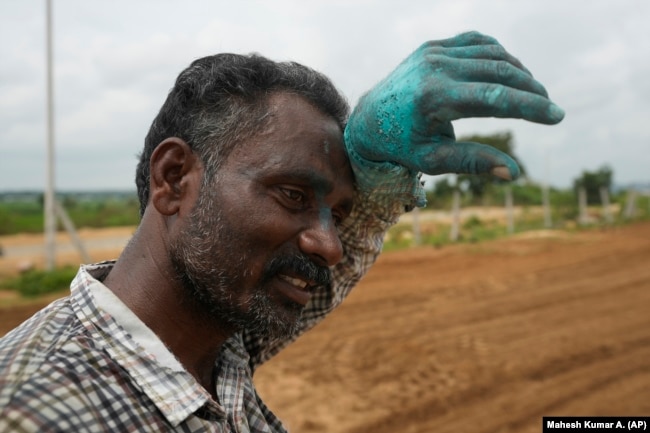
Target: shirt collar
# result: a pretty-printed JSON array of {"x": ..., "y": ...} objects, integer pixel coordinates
[{"x": 135, "y": 347}]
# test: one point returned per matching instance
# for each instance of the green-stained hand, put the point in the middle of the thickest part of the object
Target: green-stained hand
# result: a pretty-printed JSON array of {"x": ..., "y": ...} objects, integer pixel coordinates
[{"x": 406, "y": 118}]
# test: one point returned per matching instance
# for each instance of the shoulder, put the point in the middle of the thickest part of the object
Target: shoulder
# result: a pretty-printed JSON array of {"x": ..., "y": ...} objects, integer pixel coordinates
[
  {"x": 49, "y": 342},
  {"x": 54, "y": 374}
]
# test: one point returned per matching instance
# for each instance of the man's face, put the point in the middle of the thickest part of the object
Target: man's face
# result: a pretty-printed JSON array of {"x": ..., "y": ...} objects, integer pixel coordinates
[{"x": 264, "y": 233}]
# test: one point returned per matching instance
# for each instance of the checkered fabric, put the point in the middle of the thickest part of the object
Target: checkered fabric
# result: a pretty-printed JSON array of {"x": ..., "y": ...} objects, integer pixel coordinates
[{"x": 75, "y": 367}]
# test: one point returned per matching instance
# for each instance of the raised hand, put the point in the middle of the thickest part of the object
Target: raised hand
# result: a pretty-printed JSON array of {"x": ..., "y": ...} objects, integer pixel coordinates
[{"x": 406, "y": 118}]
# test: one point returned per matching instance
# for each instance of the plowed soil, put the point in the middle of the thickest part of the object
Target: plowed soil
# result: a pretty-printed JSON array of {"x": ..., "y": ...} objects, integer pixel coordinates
[{"x": 476, "y": 338}]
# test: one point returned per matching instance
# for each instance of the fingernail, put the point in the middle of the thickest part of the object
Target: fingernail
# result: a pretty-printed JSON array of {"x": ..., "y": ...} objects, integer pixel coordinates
[
  {"x": 501, "y": 172},
  {"x": 555, "y": 112}
]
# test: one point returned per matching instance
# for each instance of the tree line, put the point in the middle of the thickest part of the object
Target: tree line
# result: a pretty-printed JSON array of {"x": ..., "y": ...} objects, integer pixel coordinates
[{"x": 485, "y": 190}]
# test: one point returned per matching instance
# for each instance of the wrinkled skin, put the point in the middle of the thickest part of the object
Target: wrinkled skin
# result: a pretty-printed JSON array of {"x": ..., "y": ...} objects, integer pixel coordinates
[{"x": 406, "y": 118}]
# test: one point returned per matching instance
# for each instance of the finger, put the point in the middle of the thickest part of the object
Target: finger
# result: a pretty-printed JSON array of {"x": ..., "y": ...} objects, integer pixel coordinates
[
  {"x": 485, "y": 52},
  {"x": 467, "y": 39},
  {"x": 490, "y": 71},
  {"x": 495, "y": 100},
  {"x": 468, "y": 158}
]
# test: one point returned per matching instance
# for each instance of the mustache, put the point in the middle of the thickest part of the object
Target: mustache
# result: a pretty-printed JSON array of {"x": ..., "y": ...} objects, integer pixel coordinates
[{"x": 301, "y": 265}]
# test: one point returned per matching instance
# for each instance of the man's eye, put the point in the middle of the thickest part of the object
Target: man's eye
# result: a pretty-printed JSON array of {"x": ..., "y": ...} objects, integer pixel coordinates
[{"x": 294, "y": 195}]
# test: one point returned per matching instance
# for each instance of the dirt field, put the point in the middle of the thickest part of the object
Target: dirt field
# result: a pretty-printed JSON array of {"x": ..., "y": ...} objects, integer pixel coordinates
[{"x": 474, "y": 338}]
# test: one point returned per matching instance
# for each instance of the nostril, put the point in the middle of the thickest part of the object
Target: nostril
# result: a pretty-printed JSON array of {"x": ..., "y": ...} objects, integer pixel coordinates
[
  {"x": 320, "y": 260},
  {"x": 322, "y": 244}
]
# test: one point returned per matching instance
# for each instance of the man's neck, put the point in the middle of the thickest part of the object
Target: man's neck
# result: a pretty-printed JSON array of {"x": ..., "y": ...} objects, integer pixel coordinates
[{"x": 146, "y": 285}]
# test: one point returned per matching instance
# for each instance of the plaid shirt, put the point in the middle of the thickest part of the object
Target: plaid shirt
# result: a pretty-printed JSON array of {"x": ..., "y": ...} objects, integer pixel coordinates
[{"x": 86, "y": 363}]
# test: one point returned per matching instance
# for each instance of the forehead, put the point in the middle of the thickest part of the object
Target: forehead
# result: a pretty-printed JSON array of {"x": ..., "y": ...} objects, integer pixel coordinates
[{"x": 298, "y": 138}]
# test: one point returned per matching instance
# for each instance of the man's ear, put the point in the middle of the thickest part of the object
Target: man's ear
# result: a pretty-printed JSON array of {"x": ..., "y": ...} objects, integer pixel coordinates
[{"x": 175, "y": 176}]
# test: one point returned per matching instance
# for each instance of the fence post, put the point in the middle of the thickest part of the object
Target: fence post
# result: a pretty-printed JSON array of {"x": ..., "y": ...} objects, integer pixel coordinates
[
  {"x": 417, "y": 238},
  {"x": 546, "y": 204},
  {"x": 455, "y": 217},
  {"x": 510, "y": 218},
  {"x": 630, "y": 205},
  {"x": 604, "y": 198},
  {"x": 583, "y": 218}
]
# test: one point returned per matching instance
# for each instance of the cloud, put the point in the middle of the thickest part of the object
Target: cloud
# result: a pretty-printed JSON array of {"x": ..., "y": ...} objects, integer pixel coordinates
[{"x": 115, "y": 62}]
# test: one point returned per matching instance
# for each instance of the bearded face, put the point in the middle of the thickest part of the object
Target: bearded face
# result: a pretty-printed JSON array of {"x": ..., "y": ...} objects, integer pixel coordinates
[
  {"x": 214, "y": 263},
  {"x": 263, "y": 233}
]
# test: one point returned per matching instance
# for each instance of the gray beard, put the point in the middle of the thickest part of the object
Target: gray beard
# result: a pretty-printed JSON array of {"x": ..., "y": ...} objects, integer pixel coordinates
[{"x": 210, "y": 277}]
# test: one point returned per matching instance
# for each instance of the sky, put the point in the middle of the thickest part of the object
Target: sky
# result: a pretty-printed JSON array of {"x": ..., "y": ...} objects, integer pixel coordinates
[{"x": 115, "y": 61}]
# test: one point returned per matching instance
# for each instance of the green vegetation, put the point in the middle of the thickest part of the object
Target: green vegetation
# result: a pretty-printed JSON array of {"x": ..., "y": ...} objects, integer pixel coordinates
[
  {"x": 527, "y": 198},
  {"x": 592, "y": 181},
  {"x": 23, "y": 213},
  {"x": 37, "y": 282},
  {"x": 20, "y": 217}
]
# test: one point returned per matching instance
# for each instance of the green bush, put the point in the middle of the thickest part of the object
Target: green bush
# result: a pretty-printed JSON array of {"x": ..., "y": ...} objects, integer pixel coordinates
[
  {"x": 37, "y": 282},
  {"x": 472, "y": 222}
]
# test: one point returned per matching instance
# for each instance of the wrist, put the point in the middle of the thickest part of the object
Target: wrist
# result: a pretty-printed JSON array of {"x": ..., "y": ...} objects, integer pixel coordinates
[{"x": 387, "y": 181}]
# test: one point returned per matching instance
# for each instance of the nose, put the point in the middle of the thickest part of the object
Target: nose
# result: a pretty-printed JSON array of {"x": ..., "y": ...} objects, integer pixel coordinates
[{"x": 321, "y": 242}]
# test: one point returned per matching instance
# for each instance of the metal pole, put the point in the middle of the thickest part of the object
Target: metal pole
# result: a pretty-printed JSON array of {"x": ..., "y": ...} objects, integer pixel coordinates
[{"x": 50, "y": 216}]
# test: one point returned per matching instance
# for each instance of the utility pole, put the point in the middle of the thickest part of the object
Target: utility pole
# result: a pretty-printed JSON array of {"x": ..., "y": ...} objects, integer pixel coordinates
[{"x": 49, "y": 209}]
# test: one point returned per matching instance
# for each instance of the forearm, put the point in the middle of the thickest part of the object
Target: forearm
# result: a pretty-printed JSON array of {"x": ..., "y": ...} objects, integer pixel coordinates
[{"x": 403, "y": 127}]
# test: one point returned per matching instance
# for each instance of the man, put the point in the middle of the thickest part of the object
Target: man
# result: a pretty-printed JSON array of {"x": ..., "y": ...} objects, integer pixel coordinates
[{"x": 261, "y": 209}]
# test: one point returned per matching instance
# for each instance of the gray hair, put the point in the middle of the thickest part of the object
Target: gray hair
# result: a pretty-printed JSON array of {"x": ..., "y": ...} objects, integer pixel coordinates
[{"x": 221, "y": 100}]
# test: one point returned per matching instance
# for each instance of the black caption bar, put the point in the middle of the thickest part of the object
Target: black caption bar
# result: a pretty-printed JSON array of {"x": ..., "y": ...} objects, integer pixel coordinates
[{"x": 560, "y": 424}]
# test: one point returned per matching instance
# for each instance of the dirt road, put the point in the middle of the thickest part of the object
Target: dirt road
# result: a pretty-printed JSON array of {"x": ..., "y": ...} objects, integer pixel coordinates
[
  {"x": 482, "y": 338},
  {"x": 475, "y": 338}
]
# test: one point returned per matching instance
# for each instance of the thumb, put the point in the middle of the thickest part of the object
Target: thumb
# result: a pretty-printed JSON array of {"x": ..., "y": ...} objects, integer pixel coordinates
[{"x": 469, "y": 158}]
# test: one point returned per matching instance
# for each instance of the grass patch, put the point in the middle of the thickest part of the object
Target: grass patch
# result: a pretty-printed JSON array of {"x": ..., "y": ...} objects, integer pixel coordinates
[
  {"x": 102, "y": 209},
  {"x": 37, "y": 282}
]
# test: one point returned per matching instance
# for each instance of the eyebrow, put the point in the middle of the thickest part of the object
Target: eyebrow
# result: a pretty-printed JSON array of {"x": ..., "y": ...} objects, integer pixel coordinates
[{"x": 318, "y": 182}]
